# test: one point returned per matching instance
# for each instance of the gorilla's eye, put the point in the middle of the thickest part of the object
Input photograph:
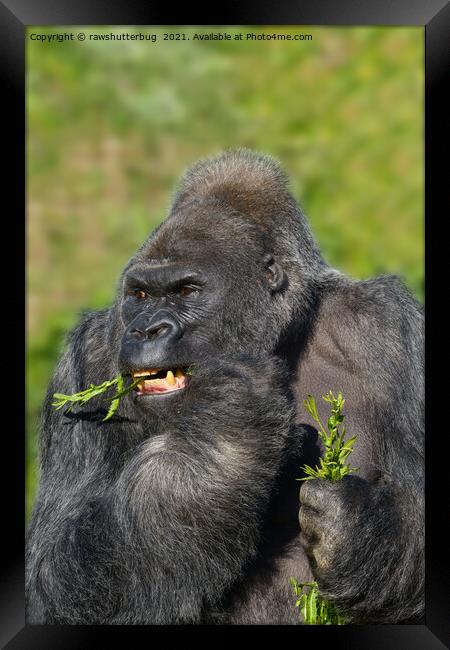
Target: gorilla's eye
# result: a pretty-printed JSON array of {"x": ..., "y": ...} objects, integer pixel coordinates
[
  {"x": 139, "y": 294},
  {"x": 186, "y": 290}
]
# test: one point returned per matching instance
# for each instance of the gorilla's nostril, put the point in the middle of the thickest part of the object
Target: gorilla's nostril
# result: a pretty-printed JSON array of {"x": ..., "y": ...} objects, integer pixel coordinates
[
  {"x": 138, "y": 334},
  {"x": 159, "y": 331}
]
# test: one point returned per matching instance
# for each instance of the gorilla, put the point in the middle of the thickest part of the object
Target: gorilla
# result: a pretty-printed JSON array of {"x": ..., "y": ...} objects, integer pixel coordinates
[{"x": 184, "y": 507}]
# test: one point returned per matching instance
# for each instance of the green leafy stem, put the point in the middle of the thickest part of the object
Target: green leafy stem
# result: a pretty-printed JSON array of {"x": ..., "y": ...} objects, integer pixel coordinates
[
  {"x": 332, "y": 465},
  {"x": 315, "y": 609},
  {"x": 93, "y": 391}
]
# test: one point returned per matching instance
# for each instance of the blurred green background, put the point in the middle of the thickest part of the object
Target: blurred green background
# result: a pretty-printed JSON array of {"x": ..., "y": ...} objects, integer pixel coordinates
[{"x": 112, "y": 125}]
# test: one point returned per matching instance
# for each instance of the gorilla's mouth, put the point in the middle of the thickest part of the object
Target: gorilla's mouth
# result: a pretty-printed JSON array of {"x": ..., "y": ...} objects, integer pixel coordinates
[{"x": 160, "y": 380}]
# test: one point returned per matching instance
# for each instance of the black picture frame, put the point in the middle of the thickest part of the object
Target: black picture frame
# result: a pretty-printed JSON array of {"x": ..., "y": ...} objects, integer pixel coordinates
[{"x": 15, "y": 16}]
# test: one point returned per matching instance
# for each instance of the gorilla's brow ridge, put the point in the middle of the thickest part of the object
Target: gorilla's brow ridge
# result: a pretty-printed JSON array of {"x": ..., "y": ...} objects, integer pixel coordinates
[
  {"x": 158, "y": 262},
  {"x": 164, "y": 276}
]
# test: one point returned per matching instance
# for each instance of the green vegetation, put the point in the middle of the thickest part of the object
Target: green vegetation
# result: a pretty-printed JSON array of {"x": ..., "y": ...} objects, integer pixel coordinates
[
  {"x": 93, "y": 391},
  {"x": 315, "y": 609},
  {"x": 112, "y": 125},
  {"x": 332, "y": 465}
]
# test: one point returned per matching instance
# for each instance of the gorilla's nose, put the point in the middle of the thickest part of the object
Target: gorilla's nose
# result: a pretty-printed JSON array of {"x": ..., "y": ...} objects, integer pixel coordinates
[{"x": 162, "y": 327}]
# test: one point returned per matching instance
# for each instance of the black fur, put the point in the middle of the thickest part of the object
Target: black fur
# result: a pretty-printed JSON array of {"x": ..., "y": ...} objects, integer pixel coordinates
[{"x": 184, "y": 508}]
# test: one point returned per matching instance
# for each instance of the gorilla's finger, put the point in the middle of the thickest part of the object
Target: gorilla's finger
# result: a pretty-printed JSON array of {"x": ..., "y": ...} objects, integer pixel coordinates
[
  {"x": 319, "y": 494},
  {"x": 309, "y": 520}
]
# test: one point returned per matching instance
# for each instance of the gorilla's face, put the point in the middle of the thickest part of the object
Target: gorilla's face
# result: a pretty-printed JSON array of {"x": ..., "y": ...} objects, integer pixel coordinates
[
  {"x": 167, "y": 311},
  {"x": 187, "y": 298}
]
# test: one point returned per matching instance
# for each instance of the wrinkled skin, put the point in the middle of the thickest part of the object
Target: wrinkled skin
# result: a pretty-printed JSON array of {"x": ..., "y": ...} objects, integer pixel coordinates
[{"x": 184, "y": 507}]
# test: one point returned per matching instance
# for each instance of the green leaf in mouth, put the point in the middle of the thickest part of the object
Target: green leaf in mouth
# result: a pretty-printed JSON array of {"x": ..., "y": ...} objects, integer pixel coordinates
[{"x": 93, "y": 391}]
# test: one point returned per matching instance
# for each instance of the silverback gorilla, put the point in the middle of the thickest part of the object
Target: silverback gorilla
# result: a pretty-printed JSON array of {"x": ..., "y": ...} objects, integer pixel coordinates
[{"x": 184, "y": 508}]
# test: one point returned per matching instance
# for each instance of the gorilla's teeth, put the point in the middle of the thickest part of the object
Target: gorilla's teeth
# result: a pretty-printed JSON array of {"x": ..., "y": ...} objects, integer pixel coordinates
[
  {"x": 143, "y": 373},
  {"x": 179, "y": 373},
  {"x": 170, "y": 378}
]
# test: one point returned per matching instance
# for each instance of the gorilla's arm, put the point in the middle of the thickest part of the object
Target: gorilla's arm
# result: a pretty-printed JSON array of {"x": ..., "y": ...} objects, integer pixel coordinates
[
  {"x": 153, "y": 531},
  {"x": 365, "y": 544},
  {"x": 364, "y": 535}
]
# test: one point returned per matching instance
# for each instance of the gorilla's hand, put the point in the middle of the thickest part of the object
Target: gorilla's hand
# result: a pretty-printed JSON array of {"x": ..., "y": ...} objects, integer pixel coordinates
[
  {"x": 329, "y": 513},
  {"x": 346, "y": 524}
]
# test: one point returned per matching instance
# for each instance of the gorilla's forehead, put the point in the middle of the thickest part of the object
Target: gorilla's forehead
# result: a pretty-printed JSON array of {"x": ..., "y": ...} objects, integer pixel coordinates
[
  {"x": 171, "y": 268},
  {"x": 203, "y": 230},
  {"x": 183, "y": 247},
  {"x": 172, "y": 251},
  {"x": 154, "y": 263}
]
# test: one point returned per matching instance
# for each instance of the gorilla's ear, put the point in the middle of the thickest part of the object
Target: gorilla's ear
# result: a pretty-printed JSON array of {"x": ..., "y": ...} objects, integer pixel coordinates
[{"x": 276, "y": 277}]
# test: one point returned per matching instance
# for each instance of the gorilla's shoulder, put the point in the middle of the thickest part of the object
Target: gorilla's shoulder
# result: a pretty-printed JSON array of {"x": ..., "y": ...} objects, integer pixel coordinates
[
  {"x": 376, "y": 299},
  {"x": 372, "y": 319},
  {"x": 90, "y": 339},
  {"x": 90, "y": 323},
  {"x": 86, "y": 352}
]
